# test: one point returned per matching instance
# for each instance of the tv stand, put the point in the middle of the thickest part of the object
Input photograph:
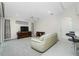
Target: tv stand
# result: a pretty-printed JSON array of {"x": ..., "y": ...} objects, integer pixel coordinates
[{"x": 24, "y": 34}]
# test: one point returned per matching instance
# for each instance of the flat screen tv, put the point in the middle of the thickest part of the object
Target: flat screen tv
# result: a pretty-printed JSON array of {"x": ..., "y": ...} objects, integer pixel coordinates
[{"x": 24, "y": 28}]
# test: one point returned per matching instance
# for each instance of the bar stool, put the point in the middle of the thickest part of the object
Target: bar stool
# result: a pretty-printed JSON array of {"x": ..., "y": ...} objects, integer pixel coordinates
[{"x": 73, "y": 39}]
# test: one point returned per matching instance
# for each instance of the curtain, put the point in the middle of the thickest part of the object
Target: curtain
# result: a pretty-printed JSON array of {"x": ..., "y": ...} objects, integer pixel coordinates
[{"x": 7, "y": 30}]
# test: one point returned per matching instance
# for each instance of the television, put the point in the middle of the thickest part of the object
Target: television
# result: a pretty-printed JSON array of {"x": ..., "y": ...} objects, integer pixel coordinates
[{"x": 24, "y": 28}]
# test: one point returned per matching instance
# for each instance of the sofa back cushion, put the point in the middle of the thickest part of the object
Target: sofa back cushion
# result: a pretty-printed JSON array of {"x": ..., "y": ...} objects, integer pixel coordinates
[
  {"x": 47, "y": 36},
  {"x": 43, "y": 37}
]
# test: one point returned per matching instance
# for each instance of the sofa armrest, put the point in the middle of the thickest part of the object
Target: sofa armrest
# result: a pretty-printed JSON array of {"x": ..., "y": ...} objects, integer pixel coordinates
[{"x": 36, "y": 40}]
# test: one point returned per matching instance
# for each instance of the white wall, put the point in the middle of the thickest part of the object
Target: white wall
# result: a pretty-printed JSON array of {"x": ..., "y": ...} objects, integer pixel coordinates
[
  {"x": 47, "y": 25},
  {"x": 50, "y": 24}
]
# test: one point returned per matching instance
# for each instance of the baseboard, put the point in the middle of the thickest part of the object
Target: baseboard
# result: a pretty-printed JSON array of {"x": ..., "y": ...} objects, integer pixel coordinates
[{"x": 10, "y": 39}]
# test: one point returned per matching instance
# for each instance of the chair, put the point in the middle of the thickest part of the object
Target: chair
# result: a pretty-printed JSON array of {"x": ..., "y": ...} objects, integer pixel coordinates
[
  {"x": 44, "y": 42},
  {"x": 38, "y": 34}
]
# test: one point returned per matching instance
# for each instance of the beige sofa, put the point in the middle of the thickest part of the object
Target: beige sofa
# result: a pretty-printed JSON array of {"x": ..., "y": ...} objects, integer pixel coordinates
[{"x": 44, "y": 42}]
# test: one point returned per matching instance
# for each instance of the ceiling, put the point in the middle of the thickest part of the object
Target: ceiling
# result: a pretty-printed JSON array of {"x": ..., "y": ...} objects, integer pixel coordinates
[{"x": 25, "y": 10}]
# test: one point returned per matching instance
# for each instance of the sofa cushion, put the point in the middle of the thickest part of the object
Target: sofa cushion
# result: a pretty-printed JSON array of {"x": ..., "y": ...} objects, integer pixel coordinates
[
  {"x": 43, "y": 36},
  {"x": 36, "y": 39}
]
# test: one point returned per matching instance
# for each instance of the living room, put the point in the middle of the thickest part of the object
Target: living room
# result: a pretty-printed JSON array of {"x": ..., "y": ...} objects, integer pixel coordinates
[{"x": 29, "y": 21}]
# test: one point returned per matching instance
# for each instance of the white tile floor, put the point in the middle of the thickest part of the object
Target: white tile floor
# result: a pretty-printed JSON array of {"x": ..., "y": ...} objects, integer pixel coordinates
[
  {"x": 61, "y": 49},
  {"x": 19, "y": 47},
  {"x": 22, "y": 47}
]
